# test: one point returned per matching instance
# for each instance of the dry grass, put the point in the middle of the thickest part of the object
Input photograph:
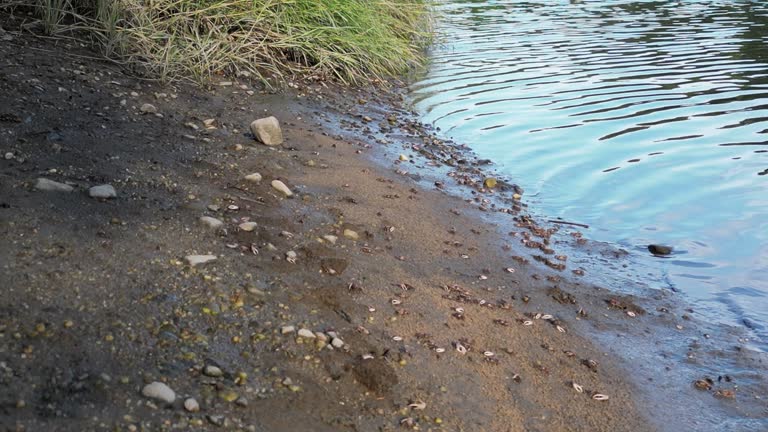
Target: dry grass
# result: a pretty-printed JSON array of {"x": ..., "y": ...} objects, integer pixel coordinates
[{"x": 353, "y": 41}]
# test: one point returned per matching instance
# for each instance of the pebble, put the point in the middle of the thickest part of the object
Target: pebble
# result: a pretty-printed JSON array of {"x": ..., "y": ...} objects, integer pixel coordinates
[
  {"x": 159, "y": 391},
  {"x": 213, "y": 371},
  {"x": 267, "y": 131},
  {"x": 305, "y": 333},
  {"x": 404, "y": 158},
  {"x": 291, "y": 256},
  {"x": 330, "y": 238},
  {"x": 43, "y": 184},
  {"x": 287, "y": 329},
  {"x": 211, "y": 222},
  {"x": 8, "y": 156},
  {"x": 255, "y": 177},
  {"x": 102, "y": 192},
  {"x": 282, "y": 188},
  {"x": 194, "y": 260},
  {"x": 248, "y": 226},
  {"x": 337, "y": 343},
  {"x": 148, "y": 108},
  {"x": 191, "y": 405},
  {"x": 352, "y": 235},
  {"x": 217, "y": 420},
  {"x": 321, "y": 336}
]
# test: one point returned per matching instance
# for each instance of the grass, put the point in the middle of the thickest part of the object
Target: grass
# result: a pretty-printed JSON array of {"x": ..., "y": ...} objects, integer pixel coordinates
[{"x": 353, "y": 41}]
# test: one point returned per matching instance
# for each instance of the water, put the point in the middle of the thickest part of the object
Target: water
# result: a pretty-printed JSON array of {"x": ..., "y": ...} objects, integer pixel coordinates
[{"x": 647, "y": 120}]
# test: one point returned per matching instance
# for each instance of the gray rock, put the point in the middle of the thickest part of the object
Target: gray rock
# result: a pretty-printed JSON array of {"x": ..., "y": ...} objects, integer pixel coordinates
[
  {"x": 194, "y": 260},
  {"x": 352, "y": 235},
  {"x": 148, "y": 108},
  {"x": 330, "y": 238},
  {"x": 267, "y": 130},
  {"x": 287, "y": 329},
  {"x": 159, "y": 391},
  {"x": 211, "y": 222},
  {"x": 43, "y": 184},
  {"x": 282, "y": 188},
  {"x": 660, "y": 249},
  {"x": 248, "y": 226},
  {"x": 216, "y": 420},
  {"x": 213, "y": 371},
  {"x": 102, "y": 192},
  {"x": 191, "y": 405}
]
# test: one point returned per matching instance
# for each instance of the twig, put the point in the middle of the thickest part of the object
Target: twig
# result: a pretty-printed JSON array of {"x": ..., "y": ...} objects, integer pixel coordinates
[{"x": 568, "y": 223}]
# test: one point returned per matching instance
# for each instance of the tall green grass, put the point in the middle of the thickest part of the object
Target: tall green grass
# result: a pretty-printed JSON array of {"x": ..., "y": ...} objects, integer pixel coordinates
[{"x": 353, "y": 41}]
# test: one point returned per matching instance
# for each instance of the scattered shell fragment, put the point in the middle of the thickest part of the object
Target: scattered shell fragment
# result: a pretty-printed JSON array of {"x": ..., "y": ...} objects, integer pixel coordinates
[
  {"x": 367, "y": 357},
  {"x": 632, "y": 314},
  {"x": 418, "y": 405},
  {"x": 439, "y": 350},
  {"x": 396, "y": 301},
  {"x": 577, "y": 387},
  {"x": 560, "y": 329},
  {"x": 461, "y": 348},
  {"x": 547, "y": 317},
  {"x": 509, "y": 270},
  {"x": 600, "y": 397},
  {"x": 248, "y": 226},
  {"x": 397, "y": 338},
  {"x": 489, "y": 354},
  {"x": 527, "y": 322}
]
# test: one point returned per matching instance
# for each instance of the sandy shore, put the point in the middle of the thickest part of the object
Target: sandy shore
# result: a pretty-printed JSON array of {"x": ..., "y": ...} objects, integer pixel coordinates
[{"x": 442, "y": 319}]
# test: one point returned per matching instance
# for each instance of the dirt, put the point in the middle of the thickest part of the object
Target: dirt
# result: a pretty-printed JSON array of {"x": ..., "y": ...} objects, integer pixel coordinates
[{"x": 98, "y": 300}]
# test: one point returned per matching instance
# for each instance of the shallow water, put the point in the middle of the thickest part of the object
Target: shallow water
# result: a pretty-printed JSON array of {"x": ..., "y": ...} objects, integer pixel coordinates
[{"x": 647, "y": 120}]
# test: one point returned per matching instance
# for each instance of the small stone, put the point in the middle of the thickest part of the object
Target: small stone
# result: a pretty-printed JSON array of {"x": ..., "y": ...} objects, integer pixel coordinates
[
  {"x": 8, "y": 156},
  {"x": 267, "y": 130},
  {"x": 255, "y": 177},
  {"x": 248, "y": 226},
  {"x": 330, "y": 238},
  {"x": 43, "y": 184},
  {"x": 337, "y": 343},
  {"x": 291, "y": 256},
  {"x": 321, "y": 336},
  {"x": 306, "y": 333},
  {"x": 191, "y": 405},
  {"x": 159, "y": 391},
  {"x": 241, "y": 401},
  {"x": 213, "y": 207},
  {"x": 211, "y": 222},
  {"x": 102, "y": 192},
  {"x": 216, "y": 420},
  {"x": 213, "y": 371},
  {"x": 403, "y": 158},
  {"x": 194, "y": 260},
  {"x": 490, "y": 182},
  {"x": 282, "y": 188},
  {"x": 352, "y": 235},
  {"x": 660, "y": 249},
  {"x": 287, "y": 329},
  {"x": 148, "y": 108}
]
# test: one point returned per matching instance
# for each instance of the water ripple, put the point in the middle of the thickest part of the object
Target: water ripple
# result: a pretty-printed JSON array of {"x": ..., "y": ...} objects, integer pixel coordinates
[{"x": 640, "y": 118}]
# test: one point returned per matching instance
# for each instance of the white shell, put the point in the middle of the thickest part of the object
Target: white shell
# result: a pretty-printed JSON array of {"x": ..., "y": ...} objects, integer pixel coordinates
[
  {"x": 600, "y": 397},
  {"x": 578, "y": 388},
  {"x": 461, "y": 348},
  {"x": 527, "y": 322}
]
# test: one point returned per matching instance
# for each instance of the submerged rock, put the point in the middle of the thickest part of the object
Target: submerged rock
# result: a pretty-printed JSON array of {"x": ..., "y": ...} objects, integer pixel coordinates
[
  {"x": 660, "y": 249},
  {"x": 267, "y": 131},
  {"x": 282, "y": 188}
]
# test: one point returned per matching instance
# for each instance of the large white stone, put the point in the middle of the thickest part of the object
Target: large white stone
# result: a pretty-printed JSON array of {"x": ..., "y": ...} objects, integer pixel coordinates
[
  {"x": 267, "y": 130},
  {"x": 194, "y": 260}
]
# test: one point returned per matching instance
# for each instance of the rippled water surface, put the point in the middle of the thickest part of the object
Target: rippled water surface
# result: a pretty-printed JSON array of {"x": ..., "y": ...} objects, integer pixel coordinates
[{"x": 647, "y": 120}]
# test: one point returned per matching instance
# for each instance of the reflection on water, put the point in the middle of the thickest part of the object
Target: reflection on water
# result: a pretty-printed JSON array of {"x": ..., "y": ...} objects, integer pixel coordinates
[{"x": 647, "y": 120}]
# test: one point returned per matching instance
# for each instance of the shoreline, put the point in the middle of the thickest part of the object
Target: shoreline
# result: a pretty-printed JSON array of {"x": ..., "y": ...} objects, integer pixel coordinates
[{"x": 138, "y": 312}]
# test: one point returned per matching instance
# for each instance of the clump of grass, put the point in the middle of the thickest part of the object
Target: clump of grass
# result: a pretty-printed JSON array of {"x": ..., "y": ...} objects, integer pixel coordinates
[{"x": 352, "y": 41}]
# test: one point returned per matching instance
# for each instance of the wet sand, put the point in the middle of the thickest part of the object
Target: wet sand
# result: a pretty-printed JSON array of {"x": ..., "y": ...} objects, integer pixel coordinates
[{"x": 448, "y": 321}]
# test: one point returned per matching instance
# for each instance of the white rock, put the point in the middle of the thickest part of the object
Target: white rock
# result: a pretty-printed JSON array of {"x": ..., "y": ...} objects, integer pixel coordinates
[
  {"x": 159, "y": 391},
  {"x": 255, "y": 177},
  {"x": 282, "y": 188},
  {"x": 211, "y": 222},
  {"x": 352, "y": 235},
  {"x": 321, "y": 336},
  {"x": 267, "y": 130},
  {"x": 305, "y": 333},
  {"x": 337, "y": 343},
  {"x": 46, "y": 185},
  {"x": 330, "y": 238},
  {"x": 9, "y": 156},
  {"x": 213, "y": 371},
  {"x": 291, "y": 256},
  {"x": 248, "y": 226},
  {"x": 333, "y": 334},
  {"x": 148, "y": 108},
  {"x": 287, "y": 329},
  {"x": 102, "y": 192},
  {"x": 194, "y": 260},
  {"x": 191, "y": 405}
]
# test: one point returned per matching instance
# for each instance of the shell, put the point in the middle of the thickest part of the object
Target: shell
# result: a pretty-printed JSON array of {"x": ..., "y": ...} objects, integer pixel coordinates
[
  {"x": 600, "y": 397},
  {"x": 461, "y": 348},
  {"x": 578, "y": 388},
  {"x": 489, "y": 354},
  {"x": 527, "y": 322},
  {"x": 396, "y": 301},
  {"x": 397, "y": 338},
  {"x": 439, "y": 350}
]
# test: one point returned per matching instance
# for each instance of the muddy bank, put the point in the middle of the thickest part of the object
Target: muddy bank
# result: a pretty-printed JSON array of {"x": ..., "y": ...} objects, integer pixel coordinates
[{"x": 424, "y": 316}]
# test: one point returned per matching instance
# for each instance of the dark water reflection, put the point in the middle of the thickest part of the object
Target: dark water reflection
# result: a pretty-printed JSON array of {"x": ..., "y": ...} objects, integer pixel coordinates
[{"x": 647, "y": 120}]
